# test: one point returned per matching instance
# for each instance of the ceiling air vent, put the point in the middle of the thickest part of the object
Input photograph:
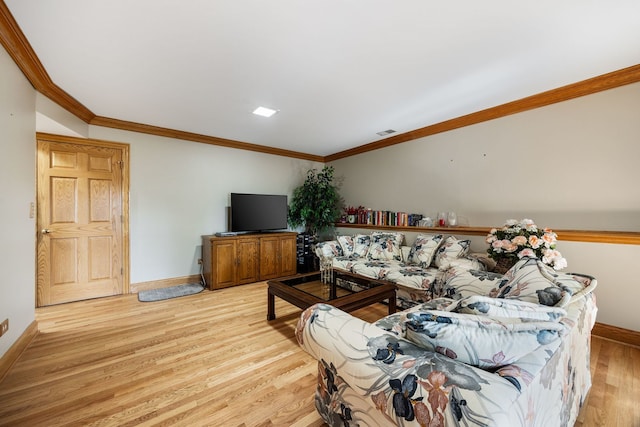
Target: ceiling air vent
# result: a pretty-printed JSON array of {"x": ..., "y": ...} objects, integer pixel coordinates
[{"x": 386, "y": 132}]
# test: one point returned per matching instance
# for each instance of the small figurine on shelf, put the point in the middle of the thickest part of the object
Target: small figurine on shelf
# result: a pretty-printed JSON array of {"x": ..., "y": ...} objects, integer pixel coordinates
[{"x": 352, "y": 214}]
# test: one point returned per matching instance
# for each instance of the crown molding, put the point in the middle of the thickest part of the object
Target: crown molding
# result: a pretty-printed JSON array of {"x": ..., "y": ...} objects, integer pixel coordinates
[
  {"x": 19, "y": 48},
  {"x": 205, "y": 139},
  {"x": 589, "y": 236},
  {"x": 590, "y": 86}
]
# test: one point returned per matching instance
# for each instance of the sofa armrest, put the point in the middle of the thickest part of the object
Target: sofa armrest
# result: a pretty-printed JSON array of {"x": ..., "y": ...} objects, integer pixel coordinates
[{"x": 397, "y": 381}]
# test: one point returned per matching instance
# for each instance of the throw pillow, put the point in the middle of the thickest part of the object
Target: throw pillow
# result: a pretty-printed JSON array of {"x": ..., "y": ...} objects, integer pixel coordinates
[
  {"x": 533, "y": 281},
  {"x": 329, "y": 249},
  {"x": 385, "y": 246},
  {"x": 465, "y": 264},
  {"x": 423, "y": 249},
  {"x": 485, "y": 342},
  {"x": 347, "y": 245},
  {"x": 361, "y": 244},
  {"x": 451, "y": 249}
]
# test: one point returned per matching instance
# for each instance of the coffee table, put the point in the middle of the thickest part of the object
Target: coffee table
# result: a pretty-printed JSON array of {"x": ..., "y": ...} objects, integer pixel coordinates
[{"x": 305, "y": 290}]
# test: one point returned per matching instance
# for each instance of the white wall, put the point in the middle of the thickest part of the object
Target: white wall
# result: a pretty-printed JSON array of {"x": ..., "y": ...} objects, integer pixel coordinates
[
  {"x": 571, "y": 165},
  {"x": 568, "y": 165},
  {"x": 180, "y": 191},
  {"x": 17, "y": 191},
  {"x": 51, "y": 118}
]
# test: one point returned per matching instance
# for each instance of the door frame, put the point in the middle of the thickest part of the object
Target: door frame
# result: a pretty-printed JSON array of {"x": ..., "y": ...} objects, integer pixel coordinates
[{"x": 40, "y": 136}]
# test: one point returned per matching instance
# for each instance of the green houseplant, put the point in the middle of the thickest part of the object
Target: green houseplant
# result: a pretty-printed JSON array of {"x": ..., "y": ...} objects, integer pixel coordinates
[{"x": 316, "y": 204}]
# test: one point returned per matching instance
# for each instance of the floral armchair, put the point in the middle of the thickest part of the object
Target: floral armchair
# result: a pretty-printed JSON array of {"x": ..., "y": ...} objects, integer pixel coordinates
[{"x": 474, "y": 360}]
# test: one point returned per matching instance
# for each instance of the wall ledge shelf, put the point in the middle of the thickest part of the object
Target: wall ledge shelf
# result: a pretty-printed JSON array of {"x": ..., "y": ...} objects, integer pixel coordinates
[{"x": 591, "y": 236}]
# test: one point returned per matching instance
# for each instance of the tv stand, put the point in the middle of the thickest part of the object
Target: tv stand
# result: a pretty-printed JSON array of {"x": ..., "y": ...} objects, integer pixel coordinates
[{"x": 247, "y": 258}]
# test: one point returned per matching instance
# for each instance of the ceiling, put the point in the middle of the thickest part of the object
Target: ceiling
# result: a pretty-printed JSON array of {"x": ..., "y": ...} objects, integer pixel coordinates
[{"x": 338, "y": 71}]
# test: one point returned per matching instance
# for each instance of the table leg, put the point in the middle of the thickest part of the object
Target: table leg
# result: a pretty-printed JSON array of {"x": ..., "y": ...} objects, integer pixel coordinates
[
  {"x": 271, "y": 306},
  {"x": 392, "y": 305}
]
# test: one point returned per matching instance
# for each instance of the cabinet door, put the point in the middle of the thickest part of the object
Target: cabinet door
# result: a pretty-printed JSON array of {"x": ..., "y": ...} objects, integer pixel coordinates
[
  {"x": 247, "y": 268},
  {"x": 224, "y": 262},
  {"x": 288, "y": 246},
  {"x": 269, "y": 257}
]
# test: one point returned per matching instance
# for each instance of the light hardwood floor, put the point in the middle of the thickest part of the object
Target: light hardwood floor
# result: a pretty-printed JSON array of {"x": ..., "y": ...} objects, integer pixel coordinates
[{"x": 211, "y": 359}]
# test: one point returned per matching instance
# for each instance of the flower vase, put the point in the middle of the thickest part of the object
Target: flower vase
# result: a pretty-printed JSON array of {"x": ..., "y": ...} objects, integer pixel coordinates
[{"x": 503, "y": 265}]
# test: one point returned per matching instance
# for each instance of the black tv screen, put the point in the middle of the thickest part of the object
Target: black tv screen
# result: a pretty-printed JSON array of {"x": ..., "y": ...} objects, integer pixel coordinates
[{"x": 258, "y": 212}]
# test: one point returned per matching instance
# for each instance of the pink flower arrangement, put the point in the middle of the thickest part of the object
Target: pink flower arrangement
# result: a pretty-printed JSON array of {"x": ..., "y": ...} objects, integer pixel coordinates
[{"x": 519, "y": 239}]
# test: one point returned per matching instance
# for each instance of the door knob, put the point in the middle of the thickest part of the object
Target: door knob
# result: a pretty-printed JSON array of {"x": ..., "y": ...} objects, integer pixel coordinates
[{"x": 46, "y": 231}]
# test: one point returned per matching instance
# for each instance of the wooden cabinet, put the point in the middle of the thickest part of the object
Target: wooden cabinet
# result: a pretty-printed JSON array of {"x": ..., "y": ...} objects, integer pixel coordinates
[
  {"x": 231, "y": 262},
  {"x": 277, "y": 256},
  {"x": 247, "y": 258}
]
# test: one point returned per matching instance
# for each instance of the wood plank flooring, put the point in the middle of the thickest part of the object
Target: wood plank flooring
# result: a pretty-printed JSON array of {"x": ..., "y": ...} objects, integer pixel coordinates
[{"x": 211, "y": 359}]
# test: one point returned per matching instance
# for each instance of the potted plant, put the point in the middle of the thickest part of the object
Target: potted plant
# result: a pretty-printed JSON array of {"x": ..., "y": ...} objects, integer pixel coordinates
[
  {"x": 316, "y": 204},
  {"x": 519, "y": 239}
]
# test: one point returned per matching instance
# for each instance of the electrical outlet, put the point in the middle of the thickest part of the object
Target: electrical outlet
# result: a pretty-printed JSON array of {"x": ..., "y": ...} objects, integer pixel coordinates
[{"x": 4, "y": 327}]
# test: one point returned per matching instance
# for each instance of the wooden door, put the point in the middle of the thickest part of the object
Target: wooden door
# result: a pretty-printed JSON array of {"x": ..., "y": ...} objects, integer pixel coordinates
[
  {"x": 269, "y": 257},
  {"x": 80, "y": 246},
  {"x": 288, "y": 261},
  {"x": 247, "y": 260},
  {"x": 224, "y": 263}
]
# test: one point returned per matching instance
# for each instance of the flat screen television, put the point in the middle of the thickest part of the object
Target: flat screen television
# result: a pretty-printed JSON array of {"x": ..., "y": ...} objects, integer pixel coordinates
[{"x": 258, "y": 212}]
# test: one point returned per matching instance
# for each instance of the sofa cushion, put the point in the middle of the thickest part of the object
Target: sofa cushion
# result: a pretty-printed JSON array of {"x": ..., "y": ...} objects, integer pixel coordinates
[
  {"x": 385, "y": 246},
  {"x": 482, "y": 341},
  {"x": 361, "y": 244},
  {"x": 409, "y": 297},
  {"x": 449, "y": 250},
  {"x": 345, "y": 262},
  {"x": 423, "y": 249},
  {"x": 533, "y": 281},
  {"x": 496, "y": 307},
  {"x": 375, "y": 269},
  {"x": 414, "y": 277},
  {"x": 328, "y": 249},
  {"x": 469, "y": 283},
  {"x": 347, "y": 244}
]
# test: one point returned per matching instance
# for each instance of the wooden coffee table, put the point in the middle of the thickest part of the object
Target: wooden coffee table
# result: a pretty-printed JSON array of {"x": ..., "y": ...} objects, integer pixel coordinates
[{"x": 305, "y": 290}]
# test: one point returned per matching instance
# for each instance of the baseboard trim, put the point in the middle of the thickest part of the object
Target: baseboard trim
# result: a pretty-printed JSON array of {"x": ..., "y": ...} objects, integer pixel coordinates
[
  {"x": 134, "y": 288},
  {"x": 14, "y": 352},
  {"x": 626, "y": 336}
]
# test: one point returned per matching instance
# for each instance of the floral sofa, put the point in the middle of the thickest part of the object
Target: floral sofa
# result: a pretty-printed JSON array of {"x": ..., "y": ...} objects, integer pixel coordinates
[
  {"x": 418, "y": 271},
  {"x": 492, "y": 350}
]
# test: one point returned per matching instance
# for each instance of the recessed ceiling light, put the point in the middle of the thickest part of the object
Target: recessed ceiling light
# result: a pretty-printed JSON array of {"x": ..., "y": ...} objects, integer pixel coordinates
[
  {"x": 264, "y": 111},
  {"x": 385, "y": 132}
]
